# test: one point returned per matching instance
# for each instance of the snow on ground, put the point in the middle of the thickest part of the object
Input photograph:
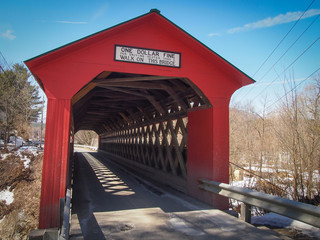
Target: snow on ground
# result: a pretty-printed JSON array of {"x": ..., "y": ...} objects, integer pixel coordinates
[
  {"x": 246, "y": 182},
  {"x": 7, "y": 196},
  {"x": 25, "y": 159},
  {"x": 2, "y": 219},
  {"x": 4, "y": 156},
  {"x": 276, "y": 220},
  {"x": 273, "y": 219},
  {"x": 29, "y": 149},
  {"x": 257, "y": 169}
]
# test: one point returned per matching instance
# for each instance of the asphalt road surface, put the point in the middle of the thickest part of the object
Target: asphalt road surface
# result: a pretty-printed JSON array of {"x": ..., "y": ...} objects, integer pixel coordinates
[{"x": 110, "y": 203}]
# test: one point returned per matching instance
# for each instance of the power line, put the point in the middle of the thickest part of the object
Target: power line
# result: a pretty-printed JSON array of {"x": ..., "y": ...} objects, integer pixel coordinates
[
  {"x": 291, "y": 46},
  {"x": 5, "y": 61},
  {"x": 286, "y": 51},
  {"x": 292, "y": 89},
  {"x": 288, "y": 67},
  {"x": 283, "y": 38},
  {"x": 248, "y": 91}
]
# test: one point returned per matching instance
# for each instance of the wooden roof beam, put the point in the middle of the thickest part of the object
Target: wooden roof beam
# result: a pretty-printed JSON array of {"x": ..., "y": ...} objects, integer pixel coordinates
[
  {"x": 139, "y": 85},
  {"x": 157, "y": 106},
  {"x": 125, "y": 91},
  {"x": 134, "y": 79},
  {"x": 175, "y": 97},
  {"x": 125, "y": 118},
  {"x": 198, "y": 91}
]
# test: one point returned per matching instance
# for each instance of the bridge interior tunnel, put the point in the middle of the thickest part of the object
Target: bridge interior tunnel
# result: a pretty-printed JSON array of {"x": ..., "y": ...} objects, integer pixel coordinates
[{"x": 142, "y": 121}]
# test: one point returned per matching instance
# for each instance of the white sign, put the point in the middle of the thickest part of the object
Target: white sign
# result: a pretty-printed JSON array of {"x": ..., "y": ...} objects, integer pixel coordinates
[{"x": 147, "y": 56}]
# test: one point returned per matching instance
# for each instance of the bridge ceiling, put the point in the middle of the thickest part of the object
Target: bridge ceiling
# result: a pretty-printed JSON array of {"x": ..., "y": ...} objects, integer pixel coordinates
[{"x": 114, "y": 101}]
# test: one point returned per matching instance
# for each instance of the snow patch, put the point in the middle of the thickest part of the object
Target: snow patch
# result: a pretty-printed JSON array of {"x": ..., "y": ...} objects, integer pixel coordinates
[
  {"x": 272, "y": 219},
  {"x": 25, "y": 159},
  {"x": 7, "y": 196},
  {"x": 4, "y": 156},
  {"x": 29, "y": 149},
  {"x": 246, "y": 183},
  {"x": 2, "y": 219},
  {"x": 276, "y": 220}
]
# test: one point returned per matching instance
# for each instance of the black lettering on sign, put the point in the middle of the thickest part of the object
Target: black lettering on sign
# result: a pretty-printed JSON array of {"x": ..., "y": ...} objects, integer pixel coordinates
[
  {"x": 126, "y": 49},
  {"x": 147, "y": 56},
  {"x": 153, "y": 61},
  {"x": 168, "y": 55}
]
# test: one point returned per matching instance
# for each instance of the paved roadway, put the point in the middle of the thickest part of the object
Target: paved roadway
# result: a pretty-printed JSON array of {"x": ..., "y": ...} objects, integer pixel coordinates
[{"x": 110, "y": 203}]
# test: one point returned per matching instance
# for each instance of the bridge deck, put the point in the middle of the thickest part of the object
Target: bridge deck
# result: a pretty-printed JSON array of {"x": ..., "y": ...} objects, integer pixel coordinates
[{"x": 110, "y": 203}]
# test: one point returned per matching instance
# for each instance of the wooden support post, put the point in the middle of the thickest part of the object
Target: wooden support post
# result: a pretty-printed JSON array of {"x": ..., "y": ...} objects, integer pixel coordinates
[
  {"x": 208, "y": 150},
  {"x": 55, "y": 161}
]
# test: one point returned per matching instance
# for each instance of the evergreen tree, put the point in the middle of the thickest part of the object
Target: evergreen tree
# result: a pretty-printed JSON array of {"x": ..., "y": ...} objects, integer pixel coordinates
[{"x": 19, "y": 102}]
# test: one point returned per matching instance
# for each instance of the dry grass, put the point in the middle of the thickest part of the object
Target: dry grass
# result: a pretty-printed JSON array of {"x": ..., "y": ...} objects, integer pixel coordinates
[{"x": 22, "y": 215}]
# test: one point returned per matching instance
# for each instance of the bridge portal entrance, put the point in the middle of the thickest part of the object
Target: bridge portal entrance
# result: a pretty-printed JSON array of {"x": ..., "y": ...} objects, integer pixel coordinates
[
  {"x": 157, "y": 98},
  {"x": 142, "y": 121}
]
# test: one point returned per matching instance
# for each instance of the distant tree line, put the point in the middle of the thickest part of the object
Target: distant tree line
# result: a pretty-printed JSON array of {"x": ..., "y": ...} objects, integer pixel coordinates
[
  {"x": 86, "y": 137},
  {"x": 19, "y": 102},
  {"x": 282, "y": 147}
]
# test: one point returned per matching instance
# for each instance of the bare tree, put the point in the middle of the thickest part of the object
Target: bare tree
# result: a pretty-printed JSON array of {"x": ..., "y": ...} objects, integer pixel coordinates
[
  {"x": 89, "y": 138},
  {"x": 280, "y": 149}
]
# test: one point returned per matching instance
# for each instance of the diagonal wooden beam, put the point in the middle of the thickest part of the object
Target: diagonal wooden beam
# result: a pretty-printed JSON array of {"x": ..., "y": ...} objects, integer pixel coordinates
[
  {"x": 125, "y": 118},
  {"x": 198, "y": 91},
  {"x": 156, "y": 105},
  {"x": 175, "y": 97},
  {"x": 107, "y": 127},
  {"x": 103, "y": 75},
  {"x": 83, "y": 92},
  {"x": 141, "y": 85}
]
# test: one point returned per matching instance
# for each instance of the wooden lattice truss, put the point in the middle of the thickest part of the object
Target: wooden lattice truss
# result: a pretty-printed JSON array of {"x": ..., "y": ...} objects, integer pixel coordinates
[{"x": 161, "y": 145}]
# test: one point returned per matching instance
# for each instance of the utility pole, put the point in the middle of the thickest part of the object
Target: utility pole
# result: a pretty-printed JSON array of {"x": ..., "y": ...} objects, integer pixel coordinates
[{"x": 41, "y": 122}]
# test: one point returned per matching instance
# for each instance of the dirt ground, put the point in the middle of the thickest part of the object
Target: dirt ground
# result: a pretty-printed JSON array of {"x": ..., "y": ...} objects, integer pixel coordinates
[
  {"x": 23, "y": 213},
  {"x": 293, "y": 234}
]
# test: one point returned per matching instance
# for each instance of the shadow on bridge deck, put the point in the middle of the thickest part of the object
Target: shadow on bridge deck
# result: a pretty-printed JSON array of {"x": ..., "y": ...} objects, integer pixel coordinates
[{"x": 110, "y": 203}]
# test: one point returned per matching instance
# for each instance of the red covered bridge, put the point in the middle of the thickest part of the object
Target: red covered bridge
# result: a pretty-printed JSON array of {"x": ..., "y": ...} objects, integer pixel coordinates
[{"x": 157, "y": 98}]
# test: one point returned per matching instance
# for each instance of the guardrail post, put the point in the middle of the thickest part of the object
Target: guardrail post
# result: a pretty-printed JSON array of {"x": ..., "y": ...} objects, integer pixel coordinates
[
  {"x": 65, "y": 228},
  {"x": 245, "y": 212},
  {"x": 61, "y": 209},
  {"x": 303, "y": 212}
]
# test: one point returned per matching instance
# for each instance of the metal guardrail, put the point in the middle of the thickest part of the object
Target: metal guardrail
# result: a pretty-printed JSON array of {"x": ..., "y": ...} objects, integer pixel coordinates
[
  {"x": 306, "y": 213},
  {"x": 64, "y": 231},
  {"x": 61, "y": 233},
  {"x": 85, "y": 146}
]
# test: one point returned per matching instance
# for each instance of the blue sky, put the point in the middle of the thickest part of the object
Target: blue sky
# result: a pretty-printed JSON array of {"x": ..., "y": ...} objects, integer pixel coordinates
[{"x": 244, "y": 32}]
